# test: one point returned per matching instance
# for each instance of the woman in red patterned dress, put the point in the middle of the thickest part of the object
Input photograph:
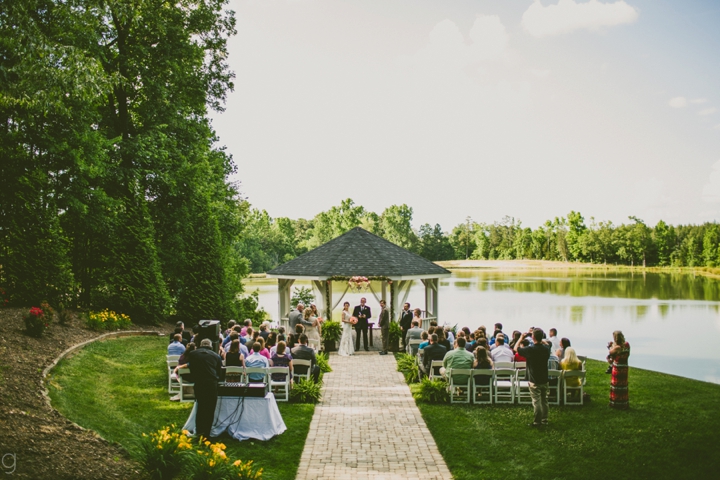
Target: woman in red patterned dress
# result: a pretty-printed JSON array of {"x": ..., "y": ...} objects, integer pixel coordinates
[{"x": 618, "y": 358}]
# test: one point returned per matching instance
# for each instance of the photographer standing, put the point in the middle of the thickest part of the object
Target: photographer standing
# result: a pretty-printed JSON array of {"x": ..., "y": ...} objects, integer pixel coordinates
[{"x": 537, "y": 366}]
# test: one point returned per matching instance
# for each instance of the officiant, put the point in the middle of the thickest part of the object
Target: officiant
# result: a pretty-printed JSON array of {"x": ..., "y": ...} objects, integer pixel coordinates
[{"x": 362, "y": 313}]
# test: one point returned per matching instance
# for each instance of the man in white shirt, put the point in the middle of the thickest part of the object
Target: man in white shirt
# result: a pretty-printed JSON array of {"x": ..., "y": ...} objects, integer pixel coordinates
[{"x": 501, "y": 352}]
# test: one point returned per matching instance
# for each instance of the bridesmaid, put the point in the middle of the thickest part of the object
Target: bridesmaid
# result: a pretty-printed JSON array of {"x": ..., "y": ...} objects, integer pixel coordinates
[{"x": 618, "y": 358}]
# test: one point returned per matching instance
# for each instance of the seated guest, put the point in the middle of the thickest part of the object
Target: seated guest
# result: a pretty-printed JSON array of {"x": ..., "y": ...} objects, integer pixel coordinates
[
  {"x": 180, "y": 328},
  {"x": 303, "y": 352},
  {"x": 176, "y": 347},
  {"x": 554, "y": 340},
  {"x": 449, "y": 335},
  {"x": 433, "y": 323},
  {"x": 501, "y": 352},
  {"x": 271, "y": 342},
  {"x": 264, "y": 332},
  {"x": 571, "y": 362},
  {"x": 281, "y": 334},
  {"x": 482, "y": 343},
  {"x": 183, "y": 358},
  {"x": 243, "y": 349},
  {"x": 256, "y": 360},
  {"x": 442, "y": 340},
  {"x": 424, "y": 337},
  {"x": 226, "y": 341},
  {"x": 458, "y": 358},
  {"x": 466, "y": 331},
  {"x": 231, "y": 324},
  {"x": 525, "y": 343},
  {"x": 432, "y": 352},
  {"x": 281, "y": 358},
  {"x": 249, "y": 335},
  {"x": 483, "y": 361},
  {"x": 560, "y": 352},
  {"x": 263, "y": 351},
  {"x": 414, "y": 333},
  {"x": 246, "y": 324},
  {"x": 233, "y": 357},
  {"x": 515, "y": 339}
]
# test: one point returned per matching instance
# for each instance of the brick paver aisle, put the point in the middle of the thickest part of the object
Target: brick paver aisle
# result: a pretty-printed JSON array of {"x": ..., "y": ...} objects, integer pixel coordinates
[{"x": 368, "y": 427}]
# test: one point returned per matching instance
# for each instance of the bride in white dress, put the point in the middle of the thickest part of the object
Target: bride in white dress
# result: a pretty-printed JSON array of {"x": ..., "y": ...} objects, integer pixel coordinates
[{"x": 346, "y": 341}]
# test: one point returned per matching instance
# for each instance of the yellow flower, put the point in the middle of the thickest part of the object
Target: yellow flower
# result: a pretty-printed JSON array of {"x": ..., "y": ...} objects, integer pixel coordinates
[
  {"x": 159, "y": 447},
  {"x": 237, "y": 463}
]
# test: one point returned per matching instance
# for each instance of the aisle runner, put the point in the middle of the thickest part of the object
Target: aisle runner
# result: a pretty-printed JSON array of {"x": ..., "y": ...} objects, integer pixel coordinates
[{"x": 368, "y": 427}]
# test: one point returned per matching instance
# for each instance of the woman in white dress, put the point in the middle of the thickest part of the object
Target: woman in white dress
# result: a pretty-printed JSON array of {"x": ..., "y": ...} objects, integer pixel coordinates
[
  {"x": 346, "y": 341},
  {"x": 312, "y": 332}
]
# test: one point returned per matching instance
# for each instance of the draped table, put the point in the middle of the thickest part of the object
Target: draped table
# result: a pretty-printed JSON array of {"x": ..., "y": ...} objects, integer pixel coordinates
[{"x": 244, "y": 418}]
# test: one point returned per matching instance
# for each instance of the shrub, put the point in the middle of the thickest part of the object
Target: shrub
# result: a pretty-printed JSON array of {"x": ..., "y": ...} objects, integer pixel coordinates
[
  {"x": 163, "y": 454},
  {"x": 107, "y": 320},
  {"x": 394, "y": 332},
  {"x": 406, "y": 365},
  {"x": 210, "y": 462},
  {"x": 64, "y": 315},
  {"x": 36, "y": 321},
  {"x": 4, "y": 298},
  {"x": 433, "y": 391},
  {"x": 323, "y": 362},
  {"x": 331, "y": 331},
  {"x": 306, "y": 391}
]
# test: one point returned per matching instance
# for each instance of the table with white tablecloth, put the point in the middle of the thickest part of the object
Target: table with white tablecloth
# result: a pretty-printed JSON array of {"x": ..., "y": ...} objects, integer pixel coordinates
[{"x": 244, "y": 418}]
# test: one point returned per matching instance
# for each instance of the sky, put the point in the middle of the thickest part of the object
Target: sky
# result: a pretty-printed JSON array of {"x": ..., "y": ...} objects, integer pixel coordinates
[{"x": 478, "y": 109}]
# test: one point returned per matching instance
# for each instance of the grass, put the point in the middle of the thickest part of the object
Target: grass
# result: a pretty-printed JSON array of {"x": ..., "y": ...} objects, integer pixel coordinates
[
  {"x": 119, "y": 389},
  {"x": 671, "y": 431}
]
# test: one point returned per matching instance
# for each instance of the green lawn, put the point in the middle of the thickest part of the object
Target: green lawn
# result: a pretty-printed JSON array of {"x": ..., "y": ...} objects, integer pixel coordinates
[
  {"x": 671, "y": 431},
  {"x": 119, "y": 389}
]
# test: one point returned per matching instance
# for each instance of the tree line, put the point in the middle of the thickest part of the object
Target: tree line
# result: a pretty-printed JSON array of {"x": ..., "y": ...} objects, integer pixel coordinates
[
  {"x": 112, "y": 192},
  {"x": 269, "y": 242}
]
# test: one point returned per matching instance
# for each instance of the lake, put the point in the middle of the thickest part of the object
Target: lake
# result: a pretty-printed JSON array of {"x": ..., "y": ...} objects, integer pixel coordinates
[{"x": 672, "y": 321}]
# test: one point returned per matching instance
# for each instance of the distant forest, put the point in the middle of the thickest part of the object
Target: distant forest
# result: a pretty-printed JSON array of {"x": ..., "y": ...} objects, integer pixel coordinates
[{"x": 268, "y": 241}]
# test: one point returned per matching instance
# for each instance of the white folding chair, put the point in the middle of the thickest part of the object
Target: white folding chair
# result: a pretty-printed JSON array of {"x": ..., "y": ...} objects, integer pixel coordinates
[
  {"x": 580, "y": 389},
  {"x": 435, "y": 364},
  {"x": 522, "y": 387},
  {"x": 504, "y": 365},
  {"x": 554, "y": 386},
  {"x": 255, "y": 371},
  {"x": 185, "y": 396},
  {"x": 301, "y": 363},
  {"x": 459, "y": 392},
  {"x": 282, "y": 387},
  {"x": 412, "y": 346},
  {"x": 504, "y": 385},
  {"x": 173, "y": 385},
  {"x": 480, "y": 389},
  {"x": 237, "y": 373}
]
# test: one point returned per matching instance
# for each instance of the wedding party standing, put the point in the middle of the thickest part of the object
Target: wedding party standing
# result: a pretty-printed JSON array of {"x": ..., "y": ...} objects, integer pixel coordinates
[
  {"x": 362, "y": 313},
  {"x": 346, "y": 341},
  {"x": 313, "y": 330},
  {"x": 405, "y": 321},
  {"x": 384, "y": 324}
]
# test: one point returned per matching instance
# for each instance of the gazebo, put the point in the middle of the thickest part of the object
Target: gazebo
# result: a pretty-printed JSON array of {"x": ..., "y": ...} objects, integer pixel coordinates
[{"x": 359, "y": 253}]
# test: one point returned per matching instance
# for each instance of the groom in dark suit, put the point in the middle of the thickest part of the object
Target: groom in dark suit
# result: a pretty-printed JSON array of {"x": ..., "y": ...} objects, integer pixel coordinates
[{"x": 362, "y": 313}]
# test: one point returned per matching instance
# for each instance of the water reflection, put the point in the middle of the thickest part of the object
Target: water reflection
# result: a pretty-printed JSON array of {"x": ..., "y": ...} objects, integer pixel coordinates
[{"x": 585, "y": 307}]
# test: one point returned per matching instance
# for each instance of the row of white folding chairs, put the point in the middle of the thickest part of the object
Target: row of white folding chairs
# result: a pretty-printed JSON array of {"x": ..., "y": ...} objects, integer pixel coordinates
[{"x": 505, "y": 385}]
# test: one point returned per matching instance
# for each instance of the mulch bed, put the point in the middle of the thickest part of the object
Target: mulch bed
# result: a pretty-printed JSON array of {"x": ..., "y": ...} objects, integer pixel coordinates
[{"x": 46, "y": 444}]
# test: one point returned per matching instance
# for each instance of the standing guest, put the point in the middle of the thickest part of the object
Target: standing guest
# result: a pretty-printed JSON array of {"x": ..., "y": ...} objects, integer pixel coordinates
[
  {"x": 415, "y": 333},
  {"x": 362, "y": 313},
  {"x": 205, "y": 367},
  {"x": 255, "y": 360},
  {"x": 537, "y": 370},
  {"x": 313, "y": 331},
  {"x": 405, "y": 321},
  {"x": 553, "y": 339},
  {"x": 618, "y": 358},
  {"x": 176, "y": 347},
  {"x": 560, "y": 352},
  {"x": 234, "y": 358},
  {"x": 501, "y": 352},
  {"x": 432, "y": 352},
  {"x": 384, "y": 324},
  {"x": 303, "y": 352},
  {"x": 451, "y": 336},
  {"x": 458, "y": 358},
  {"x": 281, "y": 358}
]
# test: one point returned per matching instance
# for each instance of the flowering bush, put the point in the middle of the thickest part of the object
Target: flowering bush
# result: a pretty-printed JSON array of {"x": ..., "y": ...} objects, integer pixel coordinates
[
  {"x": 211, "y": 463},
  {"x": 36, "y": 321},
  {"x": 107, "y": 320},
  {"x": 164, "y": 453},
  {"x": 4, "y": 298}
]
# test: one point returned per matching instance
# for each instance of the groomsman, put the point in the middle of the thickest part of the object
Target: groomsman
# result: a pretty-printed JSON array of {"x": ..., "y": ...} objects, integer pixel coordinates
[
  {"x": 362, "y": 313},
  {"x": 405, "y": 321},
  {"x": 384, "y": 324}
]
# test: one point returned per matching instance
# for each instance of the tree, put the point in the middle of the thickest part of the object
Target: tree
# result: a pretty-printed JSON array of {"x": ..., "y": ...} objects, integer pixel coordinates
[
  {"x": 711, "y": 239},
  {"x": 574, "y": 237},
  {"x": 395, "y": 225},
  {"x": 434, "y": 244},
  {"x": 462, "y": 239},
  {"x": 663, "y": 236}
]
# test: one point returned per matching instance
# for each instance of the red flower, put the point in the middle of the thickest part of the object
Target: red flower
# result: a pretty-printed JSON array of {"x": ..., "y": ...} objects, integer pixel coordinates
[{"x": 36, "y": 311}]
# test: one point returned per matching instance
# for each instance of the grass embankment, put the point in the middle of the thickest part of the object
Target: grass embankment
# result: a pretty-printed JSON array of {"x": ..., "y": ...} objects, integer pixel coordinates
[
  {"x": 671, "y": 431},
  {"x": 119, "y": 389}
]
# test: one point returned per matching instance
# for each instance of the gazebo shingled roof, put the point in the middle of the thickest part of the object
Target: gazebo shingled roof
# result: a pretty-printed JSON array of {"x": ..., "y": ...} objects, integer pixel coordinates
[{"x": 359, "y": 252}]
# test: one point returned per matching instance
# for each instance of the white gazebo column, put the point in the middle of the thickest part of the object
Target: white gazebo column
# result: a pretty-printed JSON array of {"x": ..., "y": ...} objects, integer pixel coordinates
[
  {"x": 431, "y": 301},
  {"x": 284, "y": 301},
  {"x": 323, "y": 308}
]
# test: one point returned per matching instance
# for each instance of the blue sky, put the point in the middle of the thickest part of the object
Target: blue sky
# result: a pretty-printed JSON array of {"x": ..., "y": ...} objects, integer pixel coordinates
[{"x": 481, "y": 109}]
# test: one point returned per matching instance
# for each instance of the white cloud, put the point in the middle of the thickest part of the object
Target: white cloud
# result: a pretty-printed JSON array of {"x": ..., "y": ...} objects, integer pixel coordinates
[
  {"x": 568, "y": 16},
  {"x": 678, "y": 102},
  {"x": 707, "y": 111},
  {"x": 711, "y": 190},
  {"x": 698, "y": 100}
]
